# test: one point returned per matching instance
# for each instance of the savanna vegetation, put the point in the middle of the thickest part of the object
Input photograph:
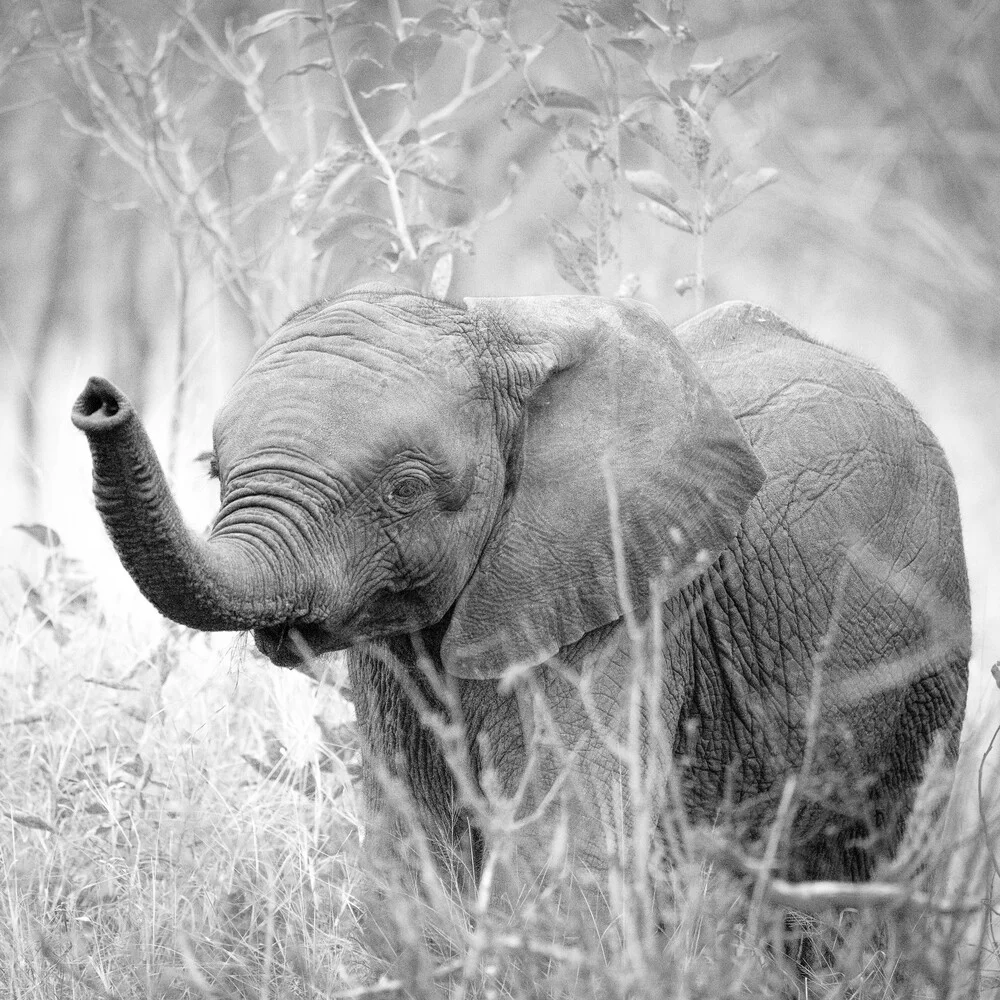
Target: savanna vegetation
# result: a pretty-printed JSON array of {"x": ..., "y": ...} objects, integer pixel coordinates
[{"x": 180, "y": 818}]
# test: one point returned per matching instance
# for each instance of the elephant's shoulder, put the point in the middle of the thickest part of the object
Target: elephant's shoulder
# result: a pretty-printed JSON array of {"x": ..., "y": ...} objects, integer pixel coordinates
[
  {"x": 754, "y": 359},
  {"x": 733, "y": 324}
]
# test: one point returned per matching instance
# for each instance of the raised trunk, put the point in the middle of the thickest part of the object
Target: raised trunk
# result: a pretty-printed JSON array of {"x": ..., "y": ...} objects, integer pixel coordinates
[{"x": 215, "y": 584}]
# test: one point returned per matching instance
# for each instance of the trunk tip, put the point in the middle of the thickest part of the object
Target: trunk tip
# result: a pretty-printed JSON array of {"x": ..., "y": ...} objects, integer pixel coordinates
[{"x": 101, "y": 406}]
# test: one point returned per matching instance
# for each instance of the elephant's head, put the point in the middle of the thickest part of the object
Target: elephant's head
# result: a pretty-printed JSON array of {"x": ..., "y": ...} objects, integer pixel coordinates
[{"x": 389, "y": 462}]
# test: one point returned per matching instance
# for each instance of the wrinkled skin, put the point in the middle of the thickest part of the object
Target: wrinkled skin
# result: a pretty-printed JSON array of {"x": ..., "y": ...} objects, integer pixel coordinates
[{"x": 427, "y": 485}]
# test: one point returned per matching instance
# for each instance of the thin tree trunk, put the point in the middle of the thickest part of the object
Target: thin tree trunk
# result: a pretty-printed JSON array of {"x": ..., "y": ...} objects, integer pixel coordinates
[
  {"x": 59, "y": 279},
  {"x": 133, "y": 332},
  {"x": 180, "y": 369}
]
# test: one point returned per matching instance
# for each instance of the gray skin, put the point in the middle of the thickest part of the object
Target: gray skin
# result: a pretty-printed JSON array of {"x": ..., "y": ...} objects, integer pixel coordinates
[{"x": 432, "y": 487}]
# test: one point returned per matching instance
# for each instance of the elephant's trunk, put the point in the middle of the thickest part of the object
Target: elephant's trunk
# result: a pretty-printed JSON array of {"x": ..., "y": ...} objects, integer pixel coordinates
[{"x": 215, "y": 584}]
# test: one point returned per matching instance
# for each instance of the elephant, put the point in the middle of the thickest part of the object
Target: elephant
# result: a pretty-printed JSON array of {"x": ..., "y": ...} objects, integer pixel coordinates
[{"x": 499, "y": 506}]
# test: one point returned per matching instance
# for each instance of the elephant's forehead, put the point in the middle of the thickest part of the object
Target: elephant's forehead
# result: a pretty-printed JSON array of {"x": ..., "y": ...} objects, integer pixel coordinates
[
  {"x": 347, "y": 408},
  {"x": 398, "y": 330},
  {"x": 368, "y": 350}
]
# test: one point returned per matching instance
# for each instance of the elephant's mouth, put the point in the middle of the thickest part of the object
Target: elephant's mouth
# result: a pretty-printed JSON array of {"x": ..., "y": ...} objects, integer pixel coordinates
[
  {"x": 291, "y": 645},
  {"x": 294, "y": 644}
]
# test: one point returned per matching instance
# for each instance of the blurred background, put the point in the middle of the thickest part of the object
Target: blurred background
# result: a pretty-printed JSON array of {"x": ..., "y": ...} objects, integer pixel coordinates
[{"x": 161, "y": 266}]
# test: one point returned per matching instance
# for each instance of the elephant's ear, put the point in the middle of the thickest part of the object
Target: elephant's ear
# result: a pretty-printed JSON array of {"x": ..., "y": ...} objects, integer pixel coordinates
[{"x": 607, "y": 397}]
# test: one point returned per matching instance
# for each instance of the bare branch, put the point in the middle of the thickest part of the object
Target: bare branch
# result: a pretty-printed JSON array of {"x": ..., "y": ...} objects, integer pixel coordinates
[{"x": 469, "y": 90}]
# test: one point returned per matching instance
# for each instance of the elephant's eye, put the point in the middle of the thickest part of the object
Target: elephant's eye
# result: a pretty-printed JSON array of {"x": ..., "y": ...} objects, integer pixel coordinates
[
  {"x": 407, "y": 490},
  {"x": 211, "y": 463}
]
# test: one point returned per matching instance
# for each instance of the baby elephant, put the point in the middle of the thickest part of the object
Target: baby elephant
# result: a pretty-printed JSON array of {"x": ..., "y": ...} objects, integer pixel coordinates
[{"x": 511, "y": 509}]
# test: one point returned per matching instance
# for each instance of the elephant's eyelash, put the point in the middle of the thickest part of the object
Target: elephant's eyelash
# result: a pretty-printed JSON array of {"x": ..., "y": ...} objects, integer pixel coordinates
[{"x": 213, "y": 463}]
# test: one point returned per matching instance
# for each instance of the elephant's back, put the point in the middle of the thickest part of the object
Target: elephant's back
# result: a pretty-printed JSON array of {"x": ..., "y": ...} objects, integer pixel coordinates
[
  {"x": 849, "y": 561},
  {"x": 845, "y": 452},
  {"x": 807, "y": 406}
]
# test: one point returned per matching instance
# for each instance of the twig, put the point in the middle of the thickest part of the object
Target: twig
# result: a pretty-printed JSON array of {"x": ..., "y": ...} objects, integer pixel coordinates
[
  {"x": 700, "y": 231},
  {"x": 390, "y": 986},
  {"x": 396, "y": 16},
  {"x": 468, "y": 90},
  {"x": 777, "y": 832},
  {"x": 79, "y": 973},
  {"x": 618, "y": 551},
  {"x": 248, "y": 80},
  {"x": 26, "y": 720},
  {"x": 548, "y": 949},
  {"x": 981, "y": 802},
  {"x": 814, "y": 897},
  {"x": 182, "y": 352}
]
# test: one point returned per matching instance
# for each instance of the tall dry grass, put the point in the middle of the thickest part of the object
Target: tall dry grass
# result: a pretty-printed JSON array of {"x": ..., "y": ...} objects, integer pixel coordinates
[{"x": 180, "y": 820}]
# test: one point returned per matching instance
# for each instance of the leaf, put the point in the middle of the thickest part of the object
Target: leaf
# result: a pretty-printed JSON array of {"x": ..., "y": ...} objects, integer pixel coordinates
[
  {"x": 29, "y": 820},
  {"x": 684, "y": 140},
  {"x": 443, "y": 20},
  {"x": 368, "y": 77},
  {"x": 415, "y": 55},
  {"x": 361, "y": 225},
  {"x": 653, "y": 185},
  {"x": 324, "y": 64},
  {"x": 701, "y": 72},
  {"x": 674, "y": 145},
  {"x": 42, "y": 534},
  {"x": 313, "y": 185},
  {"x": 134, "y": 766},
  {"x": 383, "y": 88},
  {"x": 491, "y": 28},
  {"x": 245, "y": 36},
  {"x": 312, "y": 37},
  {"x": 639, "y": 50},
  {"x": 440, "y": 281},
  {"x": 431, "y": 181},
  {"x": 680, "y": 89},
  {"x": 629, "y": 287},
  {"x": 634, "y": 110},
  {"x": 566, "y": 100},
  {"x": 728, "y": 79},
  {"x": 353, "y": 14},
  {"x": 576, "y": 16},
  {"x": 652, "y": 22},
  {"x": 339, "y": 740},
  {"x": 525, "y": 106},
  {"x": 571, "y": 180},
  {"x": 424, "y": 238},
  {"x": 267, "y": 770},
  {"x": 361, "y": 49},
  {"x": 669, "y": 215},
  {"x": 686, "y": 284},
  {"x": 620, "y": 14},
  {"x": 681, "y": 54},
  {"x": 740, "y": 189},
  {"x": 575, "y": 258},
  {"x": 732, "y": 77}
]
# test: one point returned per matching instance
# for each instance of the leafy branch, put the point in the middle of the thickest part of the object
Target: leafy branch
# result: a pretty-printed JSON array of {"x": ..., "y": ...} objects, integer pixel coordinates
[
  {"x": 391, "y": 181},
  {"x": 650, "y": 99}
]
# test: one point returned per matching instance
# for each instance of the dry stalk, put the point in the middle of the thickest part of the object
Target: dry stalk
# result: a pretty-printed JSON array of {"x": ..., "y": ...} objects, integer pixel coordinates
[{"x": 820, "y": 896}]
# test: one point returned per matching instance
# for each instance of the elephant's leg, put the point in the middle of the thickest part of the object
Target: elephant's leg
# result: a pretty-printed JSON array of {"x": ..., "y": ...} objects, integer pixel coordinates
[{"x": 599, "y": 722}]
